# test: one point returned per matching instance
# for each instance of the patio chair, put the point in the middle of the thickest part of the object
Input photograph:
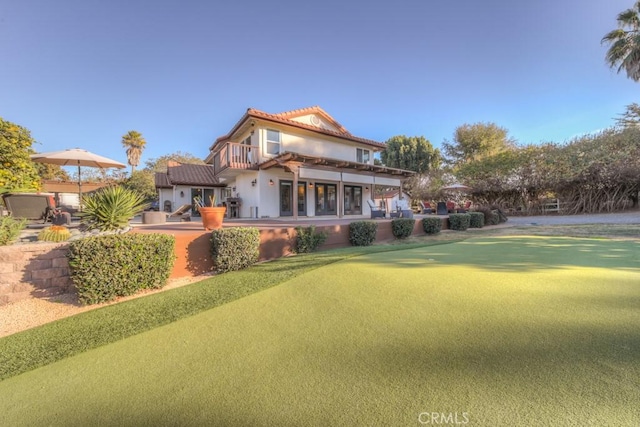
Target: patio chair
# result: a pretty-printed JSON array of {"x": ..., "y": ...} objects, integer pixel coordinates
[
  {"x": 376, "y": 212},
  {"x": 451, "y": 207},
  {"x": 465, "y": 208},
  {"x": 426, "y": 207},
  {"x": 441, "y": 208},
  {"x": 182, "y": 212},
  {"x": 35, "y": 207}
]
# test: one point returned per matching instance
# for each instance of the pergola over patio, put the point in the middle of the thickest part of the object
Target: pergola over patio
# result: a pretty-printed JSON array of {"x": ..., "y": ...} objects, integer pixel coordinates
[{"x": 296, "y": 163}]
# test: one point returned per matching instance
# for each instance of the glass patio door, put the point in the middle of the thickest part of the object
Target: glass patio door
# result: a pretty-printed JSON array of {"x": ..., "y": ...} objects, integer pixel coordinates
[
  {"x": 286, "y": 198},
  {"x": 326, "y": 198}
]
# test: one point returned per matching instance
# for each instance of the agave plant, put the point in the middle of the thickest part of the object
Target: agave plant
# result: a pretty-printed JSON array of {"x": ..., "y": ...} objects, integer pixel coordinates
[{"x": 111, "y": 208}]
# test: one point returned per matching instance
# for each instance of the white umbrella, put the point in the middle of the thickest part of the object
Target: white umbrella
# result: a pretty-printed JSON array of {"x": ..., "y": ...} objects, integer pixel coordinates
[
  {"x": 76, "y": 157},
  {"x": 456, "y": 187}
]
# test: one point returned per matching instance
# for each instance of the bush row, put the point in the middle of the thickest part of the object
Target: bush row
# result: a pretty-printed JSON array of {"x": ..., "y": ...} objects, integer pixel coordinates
[
  {"x": 234, "y": 248},
  {"x": 106, "y": 267}
]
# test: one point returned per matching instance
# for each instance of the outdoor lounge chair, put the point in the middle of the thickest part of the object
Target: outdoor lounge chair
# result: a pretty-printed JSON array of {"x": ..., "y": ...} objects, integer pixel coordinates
[
  {"x": 426, "y": 207},
  {"x": 35, "y": 207},
  {"x": 441, "y": 208},
  {"x": 402, "y": 207},
  {"x": 181, "y": 212},
  {"x": 376, "y": 212},
  {"x": 451, "y": 207}
]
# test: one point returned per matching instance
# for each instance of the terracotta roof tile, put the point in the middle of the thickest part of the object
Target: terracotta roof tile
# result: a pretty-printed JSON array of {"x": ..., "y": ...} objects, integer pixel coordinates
[
  {"x": 187, "y": 175},
  {"x": 285, "y": 118}
]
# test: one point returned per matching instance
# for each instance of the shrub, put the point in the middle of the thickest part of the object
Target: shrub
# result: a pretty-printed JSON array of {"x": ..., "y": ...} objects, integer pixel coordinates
[
  {"x": 490, "y": 217},
  {"x": 402, "y": 227},
  {"x": 308, "y": 239},
  {"x": 431, "y": 225},
  {"x": 476, "y": 220},
  {"x": 106, "y": 267},
  {"x": 10, "y": 228},
  {"x": 110, "y": 208},
  {"x": 459, "y": 222},
  {"x": 362, "y": 233},
  {"x": 55, "y": 233},
  {"x": 234, "y": 248}
]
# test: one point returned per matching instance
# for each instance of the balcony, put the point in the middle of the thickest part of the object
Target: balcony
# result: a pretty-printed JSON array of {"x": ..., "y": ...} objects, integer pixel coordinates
[{"x": 232, "y": 158}]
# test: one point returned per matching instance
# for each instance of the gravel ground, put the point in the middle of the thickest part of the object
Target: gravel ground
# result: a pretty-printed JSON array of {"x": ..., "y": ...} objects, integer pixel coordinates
[{"x": 28, "y": 313}]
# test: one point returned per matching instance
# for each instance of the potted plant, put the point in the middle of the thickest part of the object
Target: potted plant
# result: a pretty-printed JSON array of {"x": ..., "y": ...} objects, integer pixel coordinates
[{"x": 212, "y": 215}]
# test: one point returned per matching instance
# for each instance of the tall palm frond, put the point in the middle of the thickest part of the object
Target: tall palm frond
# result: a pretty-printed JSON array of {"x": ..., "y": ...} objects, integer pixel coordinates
[
  {"x": 624, "y": 43},
  {"x": 134, "y": 142}
]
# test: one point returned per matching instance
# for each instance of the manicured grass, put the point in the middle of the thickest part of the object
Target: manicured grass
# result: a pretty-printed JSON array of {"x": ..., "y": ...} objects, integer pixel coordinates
[
  {"x": 509, "y": 330},
  {"x": 66, "y": 337}
]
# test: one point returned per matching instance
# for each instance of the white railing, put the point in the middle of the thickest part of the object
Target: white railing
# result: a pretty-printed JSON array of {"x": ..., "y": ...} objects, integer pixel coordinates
[{"x": 235, "y": 156}]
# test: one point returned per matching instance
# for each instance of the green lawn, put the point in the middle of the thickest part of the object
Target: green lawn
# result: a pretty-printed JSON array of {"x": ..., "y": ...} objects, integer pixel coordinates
[{"x": 505, "y": 330}]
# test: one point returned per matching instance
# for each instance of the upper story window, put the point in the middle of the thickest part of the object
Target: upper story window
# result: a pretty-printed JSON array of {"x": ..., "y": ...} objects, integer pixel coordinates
[
  {"x": 362, "y": 156},
  {"x": 273, "y": 141}
]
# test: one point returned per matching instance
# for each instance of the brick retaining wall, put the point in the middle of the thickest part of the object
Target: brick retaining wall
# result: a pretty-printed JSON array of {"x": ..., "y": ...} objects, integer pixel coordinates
[
  {"x": 42, "y": 269},
  {"x": 33, "y": 270}
]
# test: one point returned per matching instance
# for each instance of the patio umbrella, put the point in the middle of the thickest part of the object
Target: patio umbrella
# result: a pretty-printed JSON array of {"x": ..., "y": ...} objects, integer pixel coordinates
[
  {"x": 76, "y": 157},
  {"x": 456, "y": 187}
]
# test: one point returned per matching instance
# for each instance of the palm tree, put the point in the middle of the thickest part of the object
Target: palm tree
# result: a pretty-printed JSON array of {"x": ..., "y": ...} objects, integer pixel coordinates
[
  {"x": 624, "y": 43},
  {"x": 134, "y": 142}
]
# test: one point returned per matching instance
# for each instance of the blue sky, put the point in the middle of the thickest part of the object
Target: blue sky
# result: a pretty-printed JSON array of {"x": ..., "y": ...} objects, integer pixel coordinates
[{"x": 83, "y": 73}]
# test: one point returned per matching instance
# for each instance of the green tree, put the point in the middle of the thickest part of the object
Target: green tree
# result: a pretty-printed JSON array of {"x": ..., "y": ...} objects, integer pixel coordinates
[
  {"x": 473, "y": 142},
  {"x": 134, "y": 142},
  {"x": 160, "y": 164},
  {"x": 142, "y": 182},
  {"x": 17, "y": 170},
  {"x": 630, "y": 118},
  {"x": 49, "y": 172},
  {"x": 624, "y": 43},
  {"x": 414, "y": 153}
]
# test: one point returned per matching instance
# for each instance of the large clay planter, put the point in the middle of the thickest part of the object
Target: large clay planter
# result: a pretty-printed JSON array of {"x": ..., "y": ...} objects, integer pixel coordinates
[{"x": 212, "y": 217}]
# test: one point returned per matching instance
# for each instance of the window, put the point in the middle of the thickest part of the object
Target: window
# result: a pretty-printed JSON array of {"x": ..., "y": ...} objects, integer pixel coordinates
[
  {"x": 352, "y": 200},
  {"x": 362, "y": 156},
  {"x": 273, "y": 141}
]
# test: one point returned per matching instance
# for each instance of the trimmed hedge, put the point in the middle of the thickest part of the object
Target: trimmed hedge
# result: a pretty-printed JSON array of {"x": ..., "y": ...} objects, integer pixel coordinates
[
  {"x": 431, "y": 225},
  {"x": 459, "y": 222},
  {"x": 477, "y": 220},
  {"x": 106, "y": 267},
  {"x": 490, "y": 217},
  {"x": 308, "y": 239},
  {"x": 402, "y": 227},
  {"x": 234, "y": 248},
  {"x": 362, "y": 233}
]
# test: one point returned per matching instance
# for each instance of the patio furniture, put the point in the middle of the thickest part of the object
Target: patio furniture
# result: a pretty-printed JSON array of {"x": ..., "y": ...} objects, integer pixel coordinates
[
  {"x": 465, "y": 208},
  {"x": 451, "y": 207},
  {"x": 376, "y": 212},
  {"x": 441, "y": 208},
  {"x": 426, "y": 207},
  {"x": 35, "y": 207},
  {"x": 181, "y": 212}
]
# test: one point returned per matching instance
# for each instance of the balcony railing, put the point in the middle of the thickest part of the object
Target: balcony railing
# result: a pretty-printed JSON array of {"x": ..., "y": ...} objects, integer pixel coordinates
[{"x": 235, "y": 156}]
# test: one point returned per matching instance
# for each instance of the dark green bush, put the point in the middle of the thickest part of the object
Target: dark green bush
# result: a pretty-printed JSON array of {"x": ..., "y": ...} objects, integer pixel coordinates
[
  {"x": 106, "y": 267},
  {"x": 308, "y": 239},
  {"x": 402, "y": 227},
  {"x": 431, "y": 225},
  {"x": 362, "y": 233},
  {"x": 10, "y": 228},
  {"x": 459, "y": 222},
  {"x": 490, "y": 217},
  {"x": 477, "y": 220},
  {"x": 234, "y": 248}
]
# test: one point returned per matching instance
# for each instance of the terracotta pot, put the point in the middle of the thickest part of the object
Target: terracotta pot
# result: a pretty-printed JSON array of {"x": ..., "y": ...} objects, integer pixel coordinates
[{"x": 212, "y": 217}]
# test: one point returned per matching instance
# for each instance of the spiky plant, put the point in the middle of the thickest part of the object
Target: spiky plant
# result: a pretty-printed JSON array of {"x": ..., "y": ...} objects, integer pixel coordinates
[
  {"x": 110, "y": 208},
  {"x": 55, "y": 233},
  {"x": 10, "y": 228}
]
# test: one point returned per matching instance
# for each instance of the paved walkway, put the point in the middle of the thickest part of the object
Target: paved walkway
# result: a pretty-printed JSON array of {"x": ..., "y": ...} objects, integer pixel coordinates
[{"x": 630, "y": 217}]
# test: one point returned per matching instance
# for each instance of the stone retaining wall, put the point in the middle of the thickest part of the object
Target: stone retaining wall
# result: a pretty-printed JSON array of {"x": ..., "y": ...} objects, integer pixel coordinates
[{"x": 33, "y": 270}]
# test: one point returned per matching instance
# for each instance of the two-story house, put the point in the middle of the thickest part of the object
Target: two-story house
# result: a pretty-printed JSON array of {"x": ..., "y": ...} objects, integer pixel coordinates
[{"x": 300, "y": 163}]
